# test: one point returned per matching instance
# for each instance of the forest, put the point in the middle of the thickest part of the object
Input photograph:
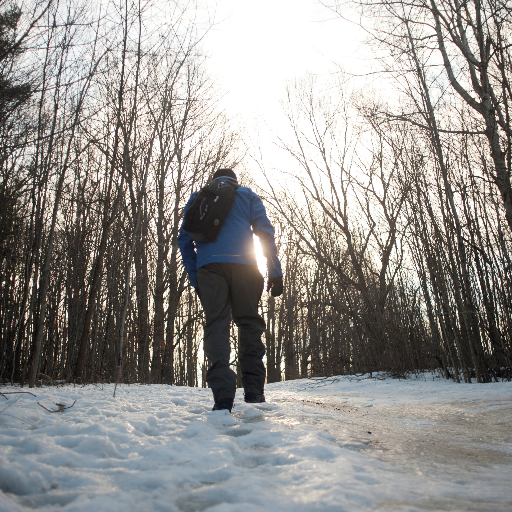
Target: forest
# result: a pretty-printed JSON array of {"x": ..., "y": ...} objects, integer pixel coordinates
[{"x": 394, "y": 228}]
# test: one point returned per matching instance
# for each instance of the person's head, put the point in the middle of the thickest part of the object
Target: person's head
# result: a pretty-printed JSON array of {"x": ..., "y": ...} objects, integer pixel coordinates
[{"x": 226, "y": 173}]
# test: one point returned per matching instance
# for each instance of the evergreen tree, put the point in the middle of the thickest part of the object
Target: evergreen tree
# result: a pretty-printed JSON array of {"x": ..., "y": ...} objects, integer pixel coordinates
[{"x": 14, "y": 91}]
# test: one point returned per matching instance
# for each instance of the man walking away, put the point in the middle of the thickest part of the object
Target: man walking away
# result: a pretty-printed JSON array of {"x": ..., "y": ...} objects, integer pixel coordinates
[{"x": 228, "y": 282}]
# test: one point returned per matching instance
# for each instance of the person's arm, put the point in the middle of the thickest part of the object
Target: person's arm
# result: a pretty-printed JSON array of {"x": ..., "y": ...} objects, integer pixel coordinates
[
  {"x": 263, "y": 229},
  {"x": 188, "y": 250}
]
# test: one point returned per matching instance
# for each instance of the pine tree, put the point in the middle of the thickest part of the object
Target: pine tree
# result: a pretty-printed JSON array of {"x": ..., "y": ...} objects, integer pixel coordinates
[{"x": 14, "y": 91}]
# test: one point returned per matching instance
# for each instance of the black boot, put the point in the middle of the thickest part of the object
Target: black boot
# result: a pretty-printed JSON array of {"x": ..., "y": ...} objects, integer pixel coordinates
[
  {"x": 254, "y": 398},
  {"x": 224, "y": 404}
]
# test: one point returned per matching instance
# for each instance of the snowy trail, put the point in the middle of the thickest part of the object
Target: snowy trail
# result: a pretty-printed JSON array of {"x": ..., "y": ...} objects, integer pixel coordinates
[
  {"x": 467, "y": 441},
  {"x": 434, "y": 445},
  {"x": 459, "y": 434}
]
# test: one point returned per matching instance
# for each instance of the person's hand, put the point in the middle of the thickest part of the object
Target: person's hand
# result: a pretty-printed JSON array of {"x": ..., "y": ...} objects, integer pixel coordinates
[{"x": 275, "y": 286}]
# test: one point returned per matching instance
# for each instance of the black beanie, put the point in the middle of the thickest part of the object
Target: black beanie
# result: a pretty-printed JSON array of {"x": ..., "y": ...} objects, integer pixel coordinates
[{"x": 228, "y": 173}]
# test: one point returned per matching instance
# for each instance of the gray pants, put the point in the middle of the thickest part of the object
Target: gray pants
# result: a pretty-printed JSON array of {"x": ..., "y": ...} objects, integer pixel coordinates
[{"x": 232, "y": 288}]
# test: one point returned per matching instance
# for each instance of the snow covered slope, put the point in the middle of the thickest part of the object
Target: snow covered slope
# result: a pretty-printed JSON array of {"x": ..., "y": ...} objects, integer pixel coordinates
[{"x": 347, "y": 444}]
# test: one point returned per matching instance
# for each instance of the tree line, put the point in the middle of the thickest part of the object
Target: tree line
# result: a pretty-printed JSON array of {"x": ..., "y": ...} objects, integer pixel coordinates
[
  {"x": 401, "y": 249},
  {"x": 394, "y": 230}
]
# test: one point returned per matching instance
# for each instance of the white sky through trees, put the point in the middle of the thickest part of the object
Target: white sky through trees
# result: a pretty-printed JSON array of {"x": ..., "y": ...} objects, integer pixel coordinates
[{"x": 256, "y": 47}]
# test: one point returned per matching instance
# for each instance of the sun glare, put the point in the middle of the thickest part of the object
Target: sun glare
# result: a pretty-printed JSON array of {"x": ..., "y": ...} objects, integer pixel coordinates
[{"x": 260, "y": 258}]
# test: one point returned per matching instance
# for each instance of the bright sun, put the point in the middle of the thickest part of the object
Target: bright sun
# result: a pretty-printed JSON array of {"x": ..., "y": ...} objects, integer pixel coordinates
[{"x": 260, "y": 258}]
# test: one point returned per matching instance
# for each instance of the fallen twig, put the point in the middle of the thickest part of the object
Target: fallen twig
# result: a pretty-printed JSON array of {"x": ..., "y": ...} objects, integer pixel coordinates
[
  {"x": 61, "y": 407},
  {"x": 3, "y": 393}
]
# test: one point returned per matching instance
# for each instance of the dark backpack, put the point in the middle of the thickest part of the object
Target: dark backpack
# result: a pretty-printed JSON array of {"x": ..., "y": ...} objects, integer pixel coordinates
[{"x": 208, "y": 210}]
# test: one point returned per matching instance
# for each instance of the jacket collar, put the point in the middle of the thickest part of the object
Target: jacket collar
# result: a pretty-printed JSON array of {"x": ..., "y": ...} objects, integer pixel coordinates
[{"x": 226, "y": 178}]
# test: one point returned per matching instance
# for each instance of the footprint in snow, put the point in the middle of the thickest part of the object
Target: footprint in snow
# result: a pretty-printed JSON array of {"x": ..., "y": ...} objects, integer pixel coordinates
[
  {"x": 251, "y": 415},
  {"x": 265, "y": 407},
  {"x": 238, "y": 432}
]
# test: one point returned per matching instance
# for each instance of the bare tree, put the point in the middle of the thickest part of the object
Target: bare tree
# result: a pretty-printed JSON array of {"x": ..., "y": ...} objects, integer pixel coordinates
[
  {"x": 350, "y": 221},
  {"x": 73, "y": 122}
]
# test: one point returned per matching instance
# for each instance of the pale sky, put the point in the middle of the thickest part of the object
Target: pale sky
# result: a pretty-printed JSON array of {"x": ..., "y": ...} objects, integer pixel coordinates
[{"x": 256, "y": 46}]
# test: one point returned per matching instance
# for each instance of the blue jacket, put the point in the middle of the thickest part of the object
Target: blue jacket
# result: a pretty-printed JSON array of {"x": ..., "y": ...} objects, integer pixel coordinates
[{"x": 234, "y": 243}]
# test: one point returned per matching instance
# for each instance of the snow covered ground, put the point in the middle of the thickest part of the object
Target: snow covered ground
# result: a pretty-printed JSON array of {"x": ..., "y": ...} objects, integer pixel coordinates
[{"x": 347, "y": 444}]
